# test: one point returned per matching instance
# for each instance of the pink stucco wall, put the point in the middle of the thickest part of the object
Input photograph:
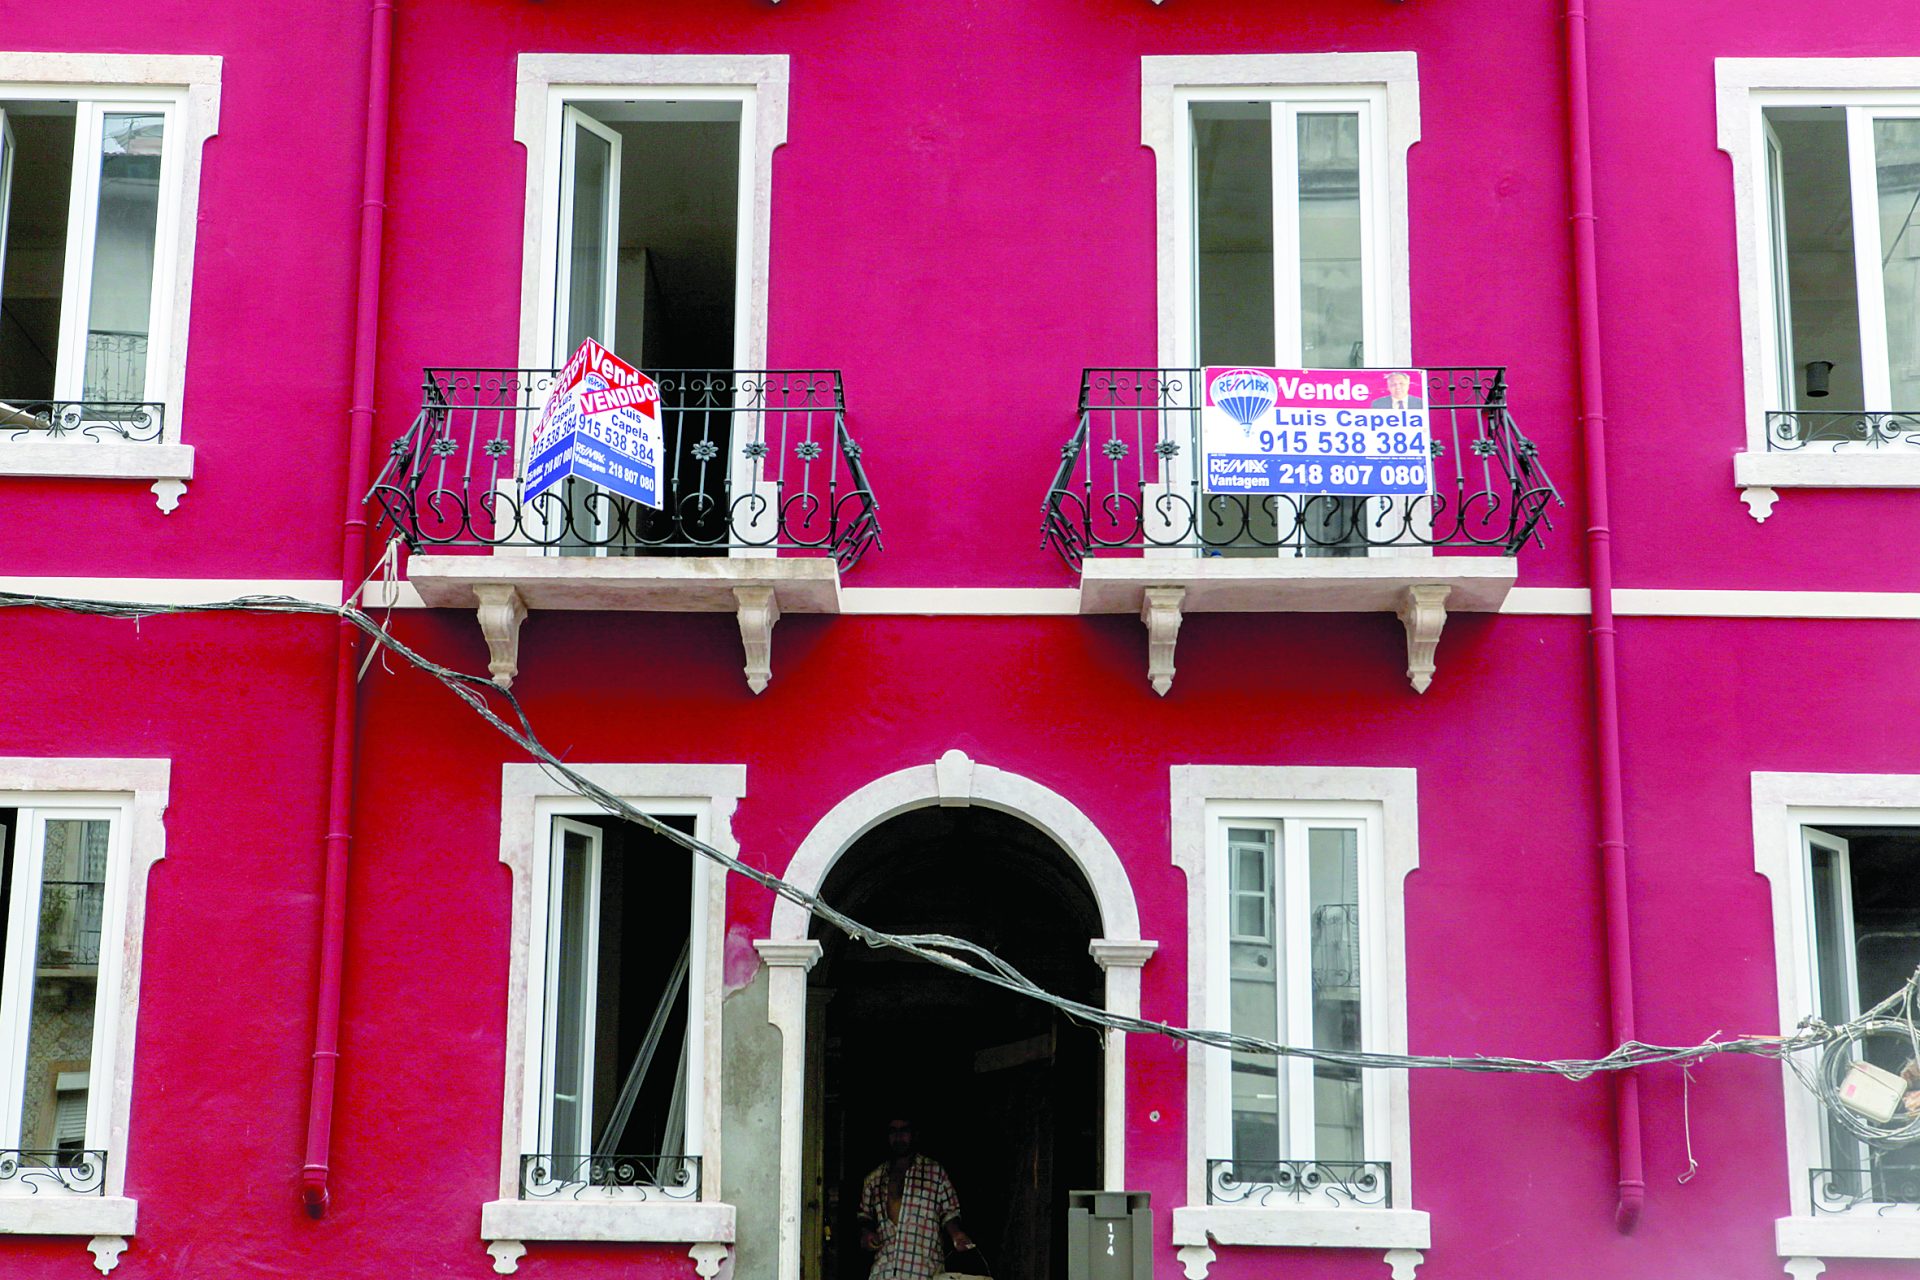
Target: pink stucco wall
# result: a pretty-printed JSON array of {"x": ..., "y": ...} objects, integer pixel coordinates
[{"x": 963, "y": 192}]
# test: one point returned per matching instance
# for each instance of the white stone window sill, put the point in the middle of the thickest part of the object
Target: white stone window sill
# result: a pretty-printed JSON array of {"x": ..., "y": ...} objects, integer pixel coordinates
[
  {"x": 48, "y": 1215},
  {"x": 1868, "y": 1231},
  {"x": 107, "y": 1219},
  {"x": 655, "y": 1221},
  {"x": 1303, "y": 1227},
  {"x": 1758, "y": 474},
  {"x": 108, "y": 459},
  {"x": 169, "y": 466}
]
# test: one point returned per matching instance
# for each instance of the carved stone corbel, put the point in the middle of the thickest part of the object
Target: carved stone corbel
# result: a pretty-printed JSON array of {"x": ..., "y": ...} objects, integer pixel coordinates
[
  {"x": 759, "y": 609},
  {"x": 1423, "y": 611},
  {"x": 1402, "y": 1263},
  {"x": 1759, "y": 499},
  {"x": 106, "y": 1252},
  {"x": 707, "y": 1258},
  {"x": 506, "y": 1256},
  {"x": 501, "y": 612},
  {"x": 1160, "y": 610}
]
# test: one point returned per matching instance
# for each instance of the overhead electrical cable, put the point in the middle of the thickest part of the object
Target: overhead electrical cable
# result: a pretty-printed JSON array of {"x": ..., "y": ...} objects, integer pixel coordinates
[{"x": 1837, "y": 1046}]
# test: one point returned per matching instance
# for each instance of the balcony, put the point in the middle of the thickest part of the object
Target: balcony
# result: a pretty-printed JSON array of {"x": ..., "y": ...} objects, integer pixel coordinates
[
  {"x": 1337, "y": 1184},
  {"x": 765, "y": 504},
  {"x": 1127, "y": 511}
]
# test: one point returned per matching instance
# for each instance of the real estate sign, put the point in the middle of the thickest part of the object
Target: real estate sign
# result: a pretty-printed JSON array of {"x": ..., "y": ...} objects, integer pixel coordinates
[
  {"x": 1361, "y": 432},
  {"x": 601, "y": 424}
]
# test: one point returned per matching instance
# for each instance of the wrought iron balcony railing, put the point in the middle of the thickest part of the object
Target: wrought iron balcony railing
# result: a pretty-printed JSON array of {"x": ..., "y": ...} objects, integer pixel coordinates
[
  {"x": 753, "y": 458},
  {"x": 545, "y": 1176},
  {"x": 1366, "y": 1184},
  {"x": 1841, "y": 1190},
  {"x": 138, "y": 421},
  {"x": 71, "y": 1172},
  {"x": 1832, "y": 430},
  {"x": 1129, "y": 479}
]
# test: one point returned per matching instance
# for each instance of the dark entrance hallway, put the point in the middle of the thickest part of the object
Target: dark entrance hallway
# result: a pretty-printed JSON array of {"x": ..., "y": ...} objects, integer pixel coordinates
[{"x": 1003, "y": 1091}]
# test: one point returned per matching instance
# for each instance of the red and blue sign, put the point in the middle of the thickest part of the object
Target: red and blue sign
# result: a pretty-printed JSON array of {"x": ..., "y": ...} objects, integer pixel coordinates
[
  {"x": 1352, "y": 432},
  {"x": 602, "y": 425}
]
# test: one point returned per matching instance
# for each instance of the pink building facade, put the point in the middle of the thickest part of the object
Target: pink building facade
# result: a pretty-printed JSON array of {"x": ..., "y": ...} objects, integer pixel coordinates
[{"x": 308, "y": 969}]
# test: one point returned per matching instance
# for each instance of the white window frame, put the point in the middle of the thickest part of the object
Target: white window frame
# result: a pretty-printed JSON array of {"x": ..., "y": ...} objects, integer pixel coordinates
[
  {"x": 1744, "y": 88},
  {"x": 543, "y": 952},
  {"x": 1784, "y": 804},
  {"x": 548, "y": 84},
  {"x": 530, "y": 801},
  {"x": 134, "y": 794},
  {"x": 1383, "y": 804},
  {"x": 1385, "y": 88},
  {"x": 187, "y": 89}
]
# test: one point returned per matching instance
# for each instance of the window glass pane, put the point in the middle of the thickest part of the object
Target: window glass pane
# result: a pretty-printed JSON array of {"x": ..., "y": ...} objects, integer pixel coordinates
[
  {"x": 586, "y": 292},
  {"x": 1333, "y": 879},
  {"x": 1896, "y": 162},
  {"x": 1253, "y": 979},
  {"x": 1233, "y": 226},
  {"x": 36, "y": 247},
  {"x": 1823, "y": 296},
  {"x": 567, "y": 1078},
  {"x": 66, "y": 977},
  {"x": 123, "y": 251},
  {"x": 1332, "y": 299}
]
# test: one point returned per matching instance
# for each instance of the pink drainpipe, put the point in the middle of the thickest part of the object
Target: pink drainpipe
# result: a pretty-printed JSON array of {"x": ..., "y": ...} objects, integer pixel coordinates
[
  {"x": 353, "y": 555},
  {"x": 1606, "y": 679}
]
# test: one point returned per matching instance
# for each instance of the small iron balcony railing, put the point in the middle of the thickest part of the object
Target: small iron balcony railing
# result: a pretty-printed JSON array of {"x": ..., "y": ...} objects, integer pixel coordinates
[
  {"x": 545, "y": 1176},
  {"x": 1842, "y": 1190},
  {"x": 1366, "y": 1184},
  {"x": 1792, "y": 431},
  {"x": 1129, "y": 479},
  {"x": 752, "y": 458},
  {"x": 114, "y": 378},
  {"x": 69, "y": 1171}
]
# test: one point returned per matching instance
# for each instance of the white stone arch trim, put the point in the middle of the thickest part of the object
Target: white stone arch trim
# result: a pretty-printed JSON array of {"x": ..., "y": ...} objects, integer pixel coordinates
[
  {"x": 956, "y": 781},
  {"x": 952, "y": 781}
]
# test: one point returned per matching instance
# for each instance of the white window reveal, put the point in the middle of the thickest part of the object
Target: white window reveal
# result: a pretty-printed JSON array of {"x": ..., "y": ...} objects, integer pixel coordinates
[
  {"x": 77, "y": 839},
  {"x": 99, "y": 188},
  {"x": 1863, "y": 891},
  {"x": 1295, "y": 975},
  {"x": 1826, "y": 174},
  {"x": 1843, "y": 225},
  {"x": 610, "y": 1124},
  {"x": 1842, "y": 855},
  {"x": 1295, "y": 899},
  {"x": 64, "y": 871},
  {"x": 617, "y": 1043}
]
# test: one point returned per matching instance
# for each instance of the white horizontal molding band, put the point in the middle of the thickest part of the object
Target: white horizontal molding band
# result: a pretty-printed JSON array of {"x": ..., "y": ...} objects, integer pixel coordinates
[
  {"x": 176, "y": 590},
  {"x": 1024, "y": 602}
]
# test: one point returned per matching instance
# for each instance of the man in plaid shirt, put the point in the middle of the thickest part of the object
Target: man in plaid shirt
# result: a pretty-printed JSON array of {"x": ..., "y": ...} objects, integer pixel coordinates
[{"x": 906, "y": 1205}]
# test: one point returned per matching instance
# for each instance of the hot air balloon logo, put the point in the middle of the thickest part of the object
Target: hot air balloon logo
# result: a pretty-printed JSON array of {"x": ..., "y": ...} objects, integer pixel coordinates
[{"x": 1246, "y": 394}]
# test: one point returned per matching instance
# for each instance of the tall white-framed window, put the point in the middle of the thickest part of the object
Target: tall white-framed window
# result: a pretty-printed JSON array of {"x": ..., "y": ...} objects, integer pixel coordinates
[
  {"x": 1296, "y": 917},
  {"x": 99, "y": 181},
  {"x": 1826, "y": 172},
  {"x": 77, "y": 838},
  {"x": 648, "y": 196},
  {"x": 1842, "y": 854},
  {"x": 617, "y": 960},
  {"x": 1281, "y": 198},
  {"x": 610, "y": 1125}
]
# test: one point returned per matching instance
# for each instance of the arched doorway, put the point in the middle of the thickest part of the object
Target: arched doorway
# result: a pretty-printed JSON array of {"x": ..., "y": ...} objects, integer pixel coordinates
[{"x": 1004, "y": 1091}]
